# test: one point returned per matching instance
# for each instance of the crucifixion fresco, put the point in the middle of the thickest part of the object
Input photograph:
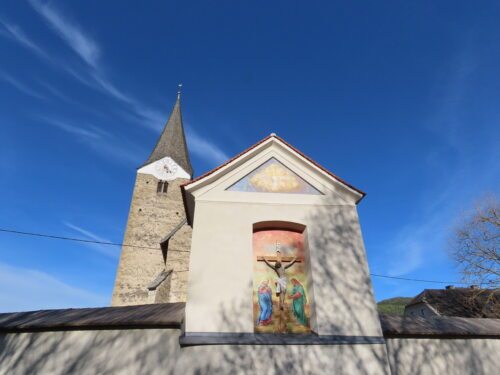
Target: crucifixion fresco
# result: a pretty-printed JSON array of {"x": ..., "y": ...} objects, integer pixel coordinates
[{"x": 280, "y": 282}]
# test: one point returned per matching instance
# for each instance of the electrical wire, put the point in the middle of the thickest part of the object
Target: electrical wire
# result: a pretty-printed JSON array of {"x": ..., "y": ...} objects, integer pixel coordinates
[
  {"x": 81, "y": 240},
  {"x": 418, "y": 280},
  {"x": 12, "y": 231}
]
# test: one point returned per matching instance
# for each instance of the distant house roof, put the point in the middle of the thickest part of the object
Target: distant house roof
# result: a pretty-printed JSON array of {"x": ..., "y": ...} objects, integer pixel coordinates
[
  {"x": 409, "y": 326},
  {"x": 171, "y": 315},
  {"x": 462, "y": 302}
]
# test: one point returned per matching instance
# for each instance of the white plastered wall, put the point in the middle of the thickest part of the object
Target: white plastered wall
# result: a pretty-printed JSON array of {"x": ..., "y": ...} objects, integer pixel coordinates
[
  {"x": 157, "y": 351},
  {"x": 421, "y": 309},
  {"x": 430, "y": 356},
  {"x": 221, "y": 264}
]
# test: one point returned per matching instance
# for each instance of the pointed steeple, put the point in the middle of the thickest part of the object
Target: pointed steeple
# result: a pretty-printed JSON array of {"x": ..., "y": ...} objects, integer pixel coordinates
[{"x": 172, "y": 141}]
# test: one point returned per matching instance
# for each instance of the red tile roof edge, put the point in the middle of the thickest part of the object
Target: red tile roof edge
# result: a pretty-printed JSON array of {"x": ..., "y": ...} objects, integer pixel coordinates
[
  {"x": 206, "y": 174},
  {"x": 183, "y": 186},
  {"x": 226, "y": 162},
  {"x": 323, "y": 169}
]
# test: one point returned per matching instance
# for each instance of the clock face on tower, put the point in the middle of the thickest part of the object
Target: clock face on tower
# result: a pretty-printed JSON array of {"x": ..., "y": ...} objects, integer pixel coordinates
[{"x": 167, "y": 168}]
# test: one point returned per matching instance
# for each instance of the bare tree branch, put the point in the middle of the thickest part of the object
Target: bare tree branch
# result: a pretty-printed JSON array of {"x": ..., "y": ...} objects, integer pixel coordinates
[{"x": 475, "y": 244}]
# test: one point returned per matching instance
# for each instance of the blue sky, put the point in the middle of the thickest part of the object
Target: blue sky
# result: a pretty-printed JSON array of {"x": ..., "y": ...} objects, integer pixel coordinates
[{"x": 400, "y": 99}]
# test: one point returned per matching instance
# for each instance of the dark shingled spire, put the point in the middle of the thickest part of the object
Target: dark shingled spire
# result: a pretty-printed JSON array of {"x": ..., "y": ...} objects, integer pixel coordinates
[{"x": 172, "y": 141}]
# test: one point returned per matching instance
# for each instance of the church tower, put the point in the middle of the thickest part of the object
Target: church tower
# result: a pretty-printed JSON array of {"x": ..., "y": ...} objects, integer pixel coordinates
[{"x": 155, "y": 254}]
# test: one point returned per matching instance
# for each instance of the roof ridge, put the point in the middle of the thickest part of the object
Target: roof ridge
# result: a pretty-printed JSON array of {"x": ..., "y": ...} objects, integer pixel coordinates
[{"x": 273, "y": 135}]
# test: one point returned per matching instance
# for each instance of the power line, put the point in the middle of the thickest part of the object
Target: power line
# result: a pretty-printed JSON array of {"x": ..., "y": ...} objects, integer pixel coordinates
[
  {"x": 187, "y": 251},
  {"x": 81, "y": 240},
  {"x": 419, "y": 280}
]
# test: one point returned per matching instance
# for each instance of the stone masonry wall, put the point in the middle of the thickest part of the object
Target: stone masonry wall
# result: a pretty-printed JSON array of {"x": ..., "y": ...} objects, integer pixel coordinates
[
  {"x": 178, "y": 260},
  {"x": 152, "y": 216}
]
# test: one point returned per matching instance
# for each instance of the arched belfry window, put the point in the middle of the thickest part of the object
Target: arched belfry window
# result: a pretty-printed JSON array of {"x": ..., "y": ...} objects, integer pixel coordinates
[
  {"x": 281, "y": 299},
  {"x": 162, "y": 187}
]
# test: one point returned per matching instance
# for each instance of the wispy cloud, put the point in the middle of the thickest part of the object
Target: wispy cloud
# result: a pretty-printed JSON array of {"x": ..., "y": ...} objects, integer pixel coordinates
[
  {"x": 423, "y": 241},
  {"x": 93, "y": 77},
  {"x": 17, "y": 34},
  {"x": 85, "y": 232},
  {"x": 136, "y": 111},
  {"x": 204, "y": 148},
  {"x": 416, "y": 244},
  {"x": 120, "y": 151},
  {"x": 112, "y": 251},
  {"x": 91, "y": 132},
  {"x": 463, "y": 155},
  {"x": 106, "y": 86},
  {"x": 447, "y": 121},
  {"x": 57, "y": 93},
  {"x": 89, "y": 51},
  {"x": 150, "y": 117},
  {"x": 20, "y": 86},
  {"x": 35, "y": 290},
  {"x": 76, "y": 39},
  {"x": 100, "y": 141}
]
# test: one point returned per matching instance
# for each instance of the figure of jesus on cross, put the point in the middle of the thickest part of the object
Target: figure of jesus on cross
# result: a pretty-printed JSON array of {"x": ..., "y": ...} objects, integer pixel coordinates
[{"x": 280, "y": 268}]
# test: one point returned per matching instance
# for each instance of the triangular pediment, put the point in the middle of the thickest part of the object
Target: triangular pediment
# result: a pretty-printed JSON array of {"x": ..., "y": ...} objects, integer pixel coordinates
[
  {"x": 270, "y": 172},
  {"x": 273, "y": 177}
]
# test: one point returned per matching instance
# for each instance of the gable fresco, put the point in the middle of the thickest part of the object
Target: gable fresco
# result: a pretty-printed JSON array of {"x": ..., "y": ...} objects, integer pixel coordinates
[
  {"x": 281, "y": 302},
  {"x": 273, "y": 177}
]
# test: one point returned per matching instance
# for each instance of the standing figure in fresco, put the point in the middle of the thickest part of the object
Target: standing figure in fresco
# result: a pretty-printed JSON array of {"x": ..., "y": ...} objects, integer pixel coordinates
[
  {"x": 299, "y": 302},
  {"x": 280, "y": 271},
  {"x": 265, "y": 303}
]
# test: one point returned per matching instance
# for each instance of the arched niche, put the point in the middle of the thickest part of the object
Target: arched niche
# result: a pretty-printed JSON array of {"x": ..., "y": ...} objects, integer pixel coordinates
[{"x": 282, "y": 283}]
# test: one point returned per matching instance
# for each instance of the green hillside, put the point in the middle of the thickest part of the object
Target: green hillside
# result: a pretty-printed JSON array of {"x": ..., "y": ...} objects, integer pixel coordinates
[{"x": 394, "y": 306}]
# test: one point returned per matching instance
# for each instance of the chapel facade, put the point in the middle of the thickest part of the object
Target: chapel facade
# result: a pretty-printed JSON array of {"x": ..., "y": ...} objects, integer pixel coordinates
[{"x": 269, "y": 242}]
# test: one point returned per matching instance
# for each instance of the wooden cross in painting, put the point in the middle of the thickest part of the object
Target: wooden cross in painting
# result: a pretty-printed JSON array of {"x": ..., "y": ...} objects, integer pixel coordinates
[{"x": 279, "y": 267}]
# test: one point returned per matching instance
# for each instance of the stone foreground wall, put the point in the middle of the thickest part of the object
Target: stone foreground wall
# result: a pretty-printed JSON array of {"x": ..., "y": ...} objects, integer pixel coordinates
[
  {"x": 152, "y": 216},
  {"x": 157, "y": 351},
  {"x": 428, "y": 356}
]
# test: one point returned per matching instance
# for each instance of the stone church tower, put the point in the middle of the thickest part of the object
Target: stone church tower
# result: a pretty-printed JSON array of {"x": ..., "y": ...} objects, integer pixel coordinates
[{"x": 155, "y": 256}]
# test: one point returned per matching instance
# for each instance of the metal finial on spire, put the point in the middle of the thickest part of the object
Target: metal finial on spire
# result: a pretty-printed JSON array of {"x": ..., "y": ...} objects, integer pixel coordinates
[{"x": 179, "y": 89}]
